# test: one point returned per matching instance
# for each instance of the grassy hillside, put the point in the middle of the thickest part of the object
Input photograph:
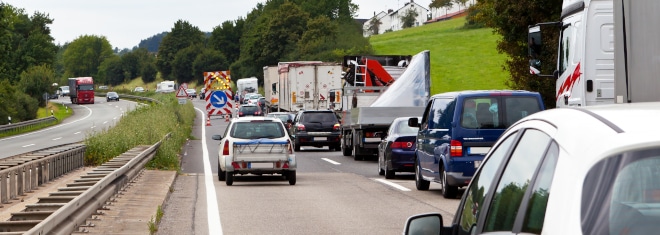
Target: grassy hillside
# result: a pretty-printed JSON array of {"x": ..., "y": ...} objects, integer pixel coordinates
[{"x": 461, "y": 59}]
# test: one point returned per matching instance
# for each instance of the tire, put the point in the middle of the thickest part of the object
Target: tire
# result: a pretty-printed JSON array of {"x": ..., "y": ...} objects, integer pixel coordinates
[
  {"x": 420, "y": 183},
  {"x": 335, "y": 147},
  {"x": 296, "y": 146},
  {"x": 221, "y": 174},
  {"x": 229, "y": 178},
  {"x": 356, "y": 156},
  {"x": 447, "y": 191},
  {"x": 389, "y": 174},
  {"x": 380, "y": 169},
  {"x": 291, "y": 176},
  {"x": 346, "y": 151}
]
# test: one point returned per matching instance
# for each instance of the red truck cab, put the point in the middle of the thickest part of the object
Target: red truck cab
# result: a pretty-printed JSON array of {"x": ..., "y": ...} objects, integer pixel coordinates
[{"x": 81, "y": 90}]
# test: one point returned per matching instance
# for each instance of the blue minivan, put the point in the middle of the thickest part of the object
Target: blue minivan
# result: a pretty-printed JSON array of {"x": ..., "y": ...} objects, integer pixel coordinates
[{"x": 457, "y": 129}]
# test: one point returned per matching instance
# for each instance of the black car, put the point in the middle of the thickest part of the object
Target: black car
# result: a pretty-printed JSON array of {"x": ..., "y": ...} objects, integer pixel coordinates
[
  {"x": 250, "y": 110},
  {"x": 397, "y": 151},
  {"x": 112, "y": 96},
  {"x": 316, "y": 128}
]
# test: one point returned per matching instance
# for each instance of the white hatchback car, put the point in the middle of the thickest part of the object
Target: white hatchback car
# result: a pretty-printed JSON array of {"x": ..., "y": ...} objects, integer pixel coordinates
[
  {"x": 255, "y": 145},
  {"x": 593, "y": 170}
]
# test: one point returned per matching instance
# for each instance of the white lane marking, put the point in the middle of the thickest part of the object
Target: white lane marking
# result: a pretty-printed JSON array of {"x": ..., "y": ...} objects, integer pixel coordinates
[
  {"x": 57, "y": 138},
  {"x": 76, "y": 133},
  {"x": 27, "y": 145},
  {"x": 212, "y": 210},
  {"x": 93, "y": 127},
  {"x": 105, "y": 122},
  {"x": 50, "y": 128},
  {"x": 331, "y": 161},
  {"x": 399, "y": 187}
]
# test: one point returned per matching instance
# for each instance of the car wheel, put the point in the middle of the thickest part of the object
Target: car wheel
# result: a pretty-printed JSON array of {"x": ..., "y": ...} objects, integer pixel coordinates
[
  {"x": 336, "y": 147},
  {"x": 420, "y": 183},
  {"x": 447, "y": 191},
  {"x": 380, "y": 169},
  {"x": 296, "y": 146},
  {"x": 229, "y": 178},
  {"x": 291, "y": 176},
  {"x": 221, "y": 174},
  {"x": 389, "y": 174}
]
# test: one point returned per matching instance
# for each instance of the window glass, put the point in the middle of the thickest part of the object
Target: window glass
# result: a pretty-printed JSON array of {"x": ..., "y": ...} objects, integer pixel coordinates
[
  {"x": 518, "y": 107},
  {"x": 257, "y": 130},
  {"x": 403, "y": 128},
  {"x": 514, "y": 181},
  {"x": 486, "y": 112},
  {"x": 440, "y": 115},
  {"x": 565, "y": 48},
  {"x": 86, "y": 87},
  {"x": 535, "y": 213},
  {"x": 480, "y": 185}
]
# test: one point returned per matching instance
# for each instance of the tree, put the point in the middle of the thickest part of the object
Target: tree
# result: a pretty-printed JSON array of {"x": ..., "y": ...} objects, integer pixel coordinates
[
  {"x": 85, "y": 54},
  {"x": 36, "y": 81},
  {"x": 112, "y": 71},
  {"x": 182, "y": 65},
  {"x": 317, "y": 41},
  {"x": 374, "y": 25},
  {"x": 510, "y": 19},
  {"x": 408, "y": 18},
  {"x": 183, "y": 35},
  {"x": 460, "y": 3},
  {"x": 226, "y": 38},
  {"x": 209, "y": 60},
  {"x": 441, "y": 4}
]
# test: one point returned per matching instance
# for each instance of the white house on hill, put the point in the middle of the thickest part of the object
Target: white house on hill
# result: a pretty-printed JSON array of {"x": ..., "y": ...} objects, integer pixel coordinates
[{"x": 391, "y": 20}]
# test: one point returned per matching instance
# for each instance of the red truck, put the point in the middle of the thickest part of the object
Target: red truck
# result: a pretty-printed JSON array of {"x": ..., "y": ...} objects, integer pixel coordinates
[{"x": 81, "y": 90}]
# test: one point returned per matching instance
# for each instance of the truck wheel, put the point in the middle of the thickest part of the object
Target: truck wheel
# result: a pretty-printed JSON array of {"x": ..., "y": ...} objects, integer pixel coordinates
[
  {"x": 291, "y": 177},
  {"x": 221, "y": 174},
  {"x": 356, "y": 156},
  {"x": 346, "y": 150},
  {"x": 420, "y": 183},
  {"x": 447, "y": 191},
  {"x": 229, "y": 178}
]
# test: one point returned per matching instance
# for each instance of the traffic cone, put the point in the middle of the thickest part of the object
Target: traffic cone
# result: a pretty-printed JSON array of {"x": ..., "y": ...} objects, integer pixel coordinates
[
  {"x": 208, "y": 121},
  {"x": 226, "y": 117}
]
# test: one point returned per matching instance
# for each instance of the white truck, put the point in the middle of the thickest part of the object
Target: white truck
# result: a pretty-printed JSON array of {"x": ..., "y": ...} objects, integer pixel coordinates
[
  {"x": 247, "y": 85},
  {"x": 166, "y": 87},
  {"x": 606, "y": 52},
  {"x": 306, "y": 85},
  {"x": 271, "y": 82}
]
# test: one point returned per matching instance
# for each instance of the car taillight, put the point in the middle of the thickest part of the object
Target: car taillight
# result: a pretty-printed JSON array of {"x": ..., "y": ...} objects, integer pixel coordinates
[
  {"x": 456, "y": 148},
  {"x": 300, "y": 127},
  {"x": 257, "y": 113},
  {"x": 336, "y": 127},
  {"x": 225, "y": 149},
  {"x": 402, "y": 145},
  {"x": 369, "y": 134},
  {"x": 240, "y": 113}
]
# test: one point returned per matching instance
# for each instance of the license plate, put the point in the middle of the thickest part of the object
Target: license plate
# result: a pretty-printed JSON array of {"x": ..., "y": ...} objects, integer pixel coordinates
[
  {"x": 320, "y": 138},
  {"x": 259, "y": 165},
  {"x": 477, "y": 164},
  {"x": 371, "y": 139},
  {"x": 478, "y": 150}
]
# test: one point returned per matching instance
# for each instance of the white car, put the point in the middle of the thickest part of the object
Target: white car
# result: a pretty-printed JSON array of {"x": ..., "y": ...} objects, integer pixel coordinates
[
  {"x": 138, "y": 89},
  {"x": 593, "y": 170},
  {"x": 255, "y": 145}
]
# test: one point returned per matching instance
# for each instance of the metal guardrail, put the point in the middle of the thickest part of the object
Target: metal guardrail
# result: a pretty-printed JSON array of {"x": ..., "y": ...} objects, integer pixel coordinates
[
  {"x": 64, "y": 211},
  {"x": 23, "y": 173},
  {"x": 134, "y": 97},
  {"x": 23, "y": 125}
]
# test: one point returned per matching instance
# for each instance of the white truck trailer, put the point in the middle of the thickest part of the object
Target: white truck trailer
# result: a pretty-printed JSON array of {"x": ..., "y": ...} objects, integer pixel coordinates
[
  {"x": 606, "y": 52},
  {"x": 306, "y": 85},
  {"x": 247, "y": 85}
]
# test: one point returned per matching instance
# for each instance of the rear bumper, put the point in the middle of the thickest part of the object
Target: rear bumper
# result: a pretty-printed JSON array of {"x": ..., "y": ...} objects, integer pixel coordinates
[
  {"x": 305, "y": 139},
  {"x": 402, "y": 160}
]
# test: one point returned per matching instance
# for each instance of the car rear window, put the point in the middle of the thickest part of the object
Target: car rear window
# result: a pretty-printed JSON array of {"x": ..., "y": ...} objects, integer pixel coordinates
[
  {"x": 319, "y": 117},
  {"x": 257, "y": 130},
  {"x": 488, "y": 113},
  {"x": 248, "y": 109}
]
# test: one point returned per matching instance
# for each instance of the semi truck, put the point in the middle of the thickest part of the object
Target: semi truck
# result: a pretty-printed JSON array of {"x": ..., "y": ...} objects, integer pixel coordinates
[
  {"x": 304, "y": 85},
  {"x": 400, "y": 88},
  {"x": 81, "y": 90},
  {"x": 605, "y": 52},
  {"x": 271, "y": 82},
  {"x": 247, "y": 85}
]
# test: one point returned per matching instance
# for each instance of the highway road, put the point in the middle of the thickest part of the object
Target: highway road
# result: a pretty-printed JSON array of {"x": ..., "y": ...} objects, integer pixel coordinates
[
  {"x": 333, "y": 195},
  {"x": 86, "y": 119}
]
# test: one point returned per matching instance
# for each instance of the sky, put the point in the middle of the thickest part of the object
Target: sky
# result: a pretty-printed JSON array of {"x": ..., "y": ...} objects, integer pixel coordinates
[{"x": 126, "y": 22}]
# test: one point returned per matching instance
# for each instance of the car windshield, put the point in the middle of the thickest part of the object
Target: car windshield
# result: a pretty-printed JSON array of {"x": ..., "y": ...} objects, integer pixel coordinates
[
  {"x": 257, "y": 130},
  {"x": 112, "y": 94}
]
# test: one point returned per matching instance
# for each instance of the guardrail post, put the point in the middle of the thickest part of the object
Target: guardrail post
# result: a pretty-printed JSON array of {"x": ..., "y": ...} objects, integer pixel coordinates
[
  {"x": 12, "y": 184},
  {"x": 20, "y": 181},
  {"x": 4, "y": 190},
  {"x": 34, "y": 176}
]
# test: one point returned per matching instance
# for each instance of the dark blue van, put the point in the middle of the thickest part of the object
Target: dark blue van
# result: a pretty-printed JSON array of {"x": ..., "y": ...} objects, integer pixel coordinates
[{"x": 457, "y": 130}]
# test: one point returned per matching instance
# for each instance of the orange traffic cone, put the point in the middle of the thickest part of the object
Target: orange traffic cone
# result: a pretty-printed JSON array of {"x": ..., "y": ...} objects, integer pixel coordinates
[
  {"x": 226, "y": 117},
  {"x": 208, "y": 121}
]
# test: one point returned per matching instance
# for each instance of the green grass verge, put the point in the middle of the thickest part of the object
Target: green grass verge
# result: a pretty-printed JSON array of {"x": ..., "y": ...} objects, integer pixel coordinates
[
  {"x": 461, "y": 59},
  {"x": 146, "y": 125},
  {"x": 58, "y": 110}
]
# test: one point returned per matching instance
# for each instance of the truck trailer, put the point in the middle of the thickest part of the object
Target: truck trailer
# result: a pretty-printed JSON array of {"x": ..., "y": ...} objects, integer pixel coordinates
[
  {"x": 306, "y": 85},
  {"x": 605, "y": 55},
  {"x": 81, "y": 90}
]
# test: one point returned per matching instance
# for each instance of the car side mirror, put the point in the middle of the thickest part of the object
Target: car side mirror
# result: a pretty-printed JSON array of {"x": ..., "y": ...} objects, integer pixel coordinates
[
  {"x": 424, "y": 224},
  {"x": 216, "y": 137},
  {"x": 413, "y": 122}
]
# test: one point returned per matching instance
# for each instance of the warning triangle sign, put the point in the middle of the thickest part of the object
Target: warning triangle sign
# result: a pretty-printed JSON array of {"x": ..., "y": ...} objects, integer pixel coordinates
[{"x": 181, "y": 93}]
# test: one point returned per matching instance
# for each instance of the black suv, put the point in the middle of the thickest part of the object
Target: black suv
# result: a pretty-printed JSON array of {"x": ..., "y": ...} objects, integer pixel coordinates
[{"x": 316, "y": 128}]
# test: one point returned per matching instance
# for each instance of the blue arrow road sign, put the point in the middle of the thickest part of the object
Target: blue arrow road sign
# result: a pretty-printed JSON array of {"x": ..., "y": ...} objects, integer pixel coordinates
[{"x": 218, "y": 99}]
